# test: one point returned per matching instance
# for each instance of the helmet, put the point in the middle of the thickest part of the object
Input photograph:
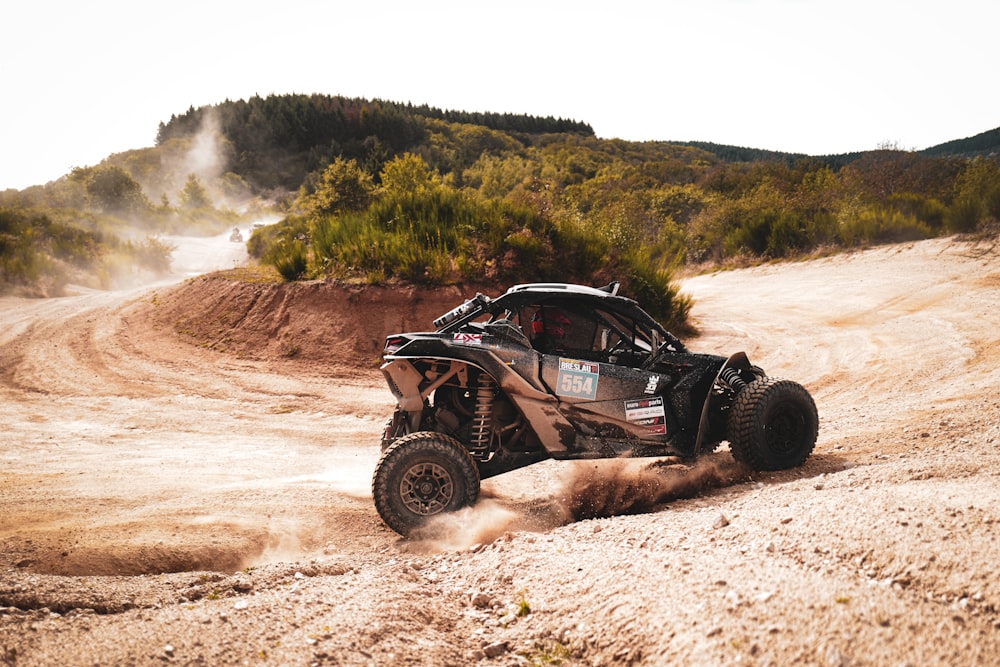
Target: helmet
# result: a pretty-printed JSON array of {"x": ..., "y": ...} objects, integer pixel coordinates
[{"x": 550, "y": 321}]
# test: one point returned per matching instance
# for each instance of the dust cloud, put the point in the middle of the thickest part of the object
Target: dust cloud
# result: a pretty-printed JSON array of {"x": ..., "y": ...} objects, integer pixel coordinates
[
  {"x": 195, "y": 255},
  {"x": 179, "y": 238},
  {"x": 621, "y": 487},
  {"x": 206, "y": 157},
  {"x": 589, "y": 490}
]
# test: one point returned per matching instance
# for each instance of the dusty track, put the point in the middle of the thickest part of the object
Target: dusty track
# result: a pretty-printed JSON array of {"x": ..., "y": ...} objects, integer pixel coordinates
[{"x": 164, "y": 501}]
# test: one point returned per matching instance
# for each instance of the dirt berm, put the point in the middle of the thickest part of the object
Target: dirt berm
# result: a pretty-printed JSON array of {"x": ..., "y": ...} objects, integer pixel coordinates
[
  {"x": 321, "y": 322},
  {"x": 185, "y": 479}
]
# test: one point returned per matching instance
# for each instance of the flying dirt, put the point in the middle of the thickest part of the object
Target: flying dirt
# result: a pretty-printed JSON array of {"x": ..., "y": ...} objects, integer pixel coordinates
[{"x": 186, "y": 470}]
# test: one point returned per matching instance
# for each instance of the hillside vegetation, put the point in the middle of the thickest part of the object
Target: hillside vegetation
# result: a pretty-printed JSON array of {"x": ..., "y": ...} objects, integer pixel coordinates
[{"x": 375, "y": 191}]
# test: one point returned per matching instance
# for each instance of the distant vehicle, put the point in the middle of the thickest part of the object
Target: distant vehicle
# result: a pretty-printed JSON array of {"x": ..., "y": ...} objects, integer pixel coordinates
[
  {"x": 256, "y": 226},
  {"x": 561, "y": 371},
  {"x": 236, "y": 236}
]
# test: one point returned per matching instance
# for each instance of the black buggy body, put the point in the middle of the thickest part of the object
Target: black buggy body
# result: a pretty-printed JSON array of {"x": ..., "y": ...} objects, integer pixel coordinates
[{"x": 560, "y": 371}]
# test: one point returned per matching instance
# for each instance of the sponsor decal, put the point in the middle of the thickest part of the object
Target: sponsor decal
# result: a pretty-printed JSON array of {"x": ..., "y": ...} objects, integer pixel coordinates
[
  {"x": 578, "y": 379},
  {"x": 468, "y": 338},
  {"x": 651, "y": 385},
  {"x": 647, "y": 412}
]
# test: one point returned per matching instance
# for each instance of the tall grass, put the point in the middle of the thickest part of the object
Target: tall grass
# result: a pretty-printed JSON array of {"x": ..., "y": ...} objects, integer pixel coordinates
[
  {"x": 290, "y": 258},
  {"x": 446, "y": 237},
  {"x": 880, "y": 225},
  {"x": 440, "y": 236}
]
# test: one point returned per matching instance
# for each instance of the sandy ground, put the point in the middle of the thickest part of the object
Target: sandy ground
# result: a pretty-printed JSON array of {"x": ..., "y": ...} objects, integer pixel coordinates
[{"x": 169, "y": 496}]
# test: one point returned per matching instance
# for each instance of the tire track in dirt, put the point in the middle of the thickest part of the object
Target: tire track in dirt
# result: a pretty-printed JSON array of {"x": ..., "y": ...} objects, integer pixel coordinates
[
  {"x": 886, "y": 336},
  {"x": 93, "y": 385},
  {"x": 879, "y": 550}
]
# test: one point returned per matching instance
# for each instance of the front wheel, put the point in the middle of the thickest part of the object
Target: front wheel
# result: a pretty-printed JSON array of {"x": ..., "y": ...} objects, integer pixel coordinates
[
  {"x": 394, "y": 428},
  {"x": 773, "y": 424},
  {"x": 420, "y": 475}
]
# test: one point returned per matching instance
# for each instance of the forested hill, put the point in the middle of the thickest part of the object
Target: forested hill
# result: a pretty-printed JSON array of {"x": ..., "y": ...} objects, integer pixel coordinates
[
  {"x": 986, "y": 144},
  {"x": 274, "y": 143},
  {"x": 375, "y": 191},
  {"x": 277, "y": 140}
]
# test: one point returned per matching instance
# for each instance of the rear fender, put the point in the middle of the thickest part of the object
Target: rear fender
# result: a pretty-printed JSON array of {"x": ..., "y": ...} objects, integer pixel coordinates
[{"x": 404, "y": 382}]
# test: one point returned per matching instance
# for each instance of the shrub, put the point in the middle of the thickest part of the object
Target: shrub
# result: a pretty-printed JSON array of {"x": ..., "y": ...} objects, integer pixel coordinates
[
  {"x": 655, "y": 289},
  {"x": 925, "y": 209},
  {"x": 770, "y": 233},
  {"x": 880, "y": 225},
  {"x": 289, "y": 258},
  {"x": 153, "y": 253},
  {"x": 964, "y": 215}
]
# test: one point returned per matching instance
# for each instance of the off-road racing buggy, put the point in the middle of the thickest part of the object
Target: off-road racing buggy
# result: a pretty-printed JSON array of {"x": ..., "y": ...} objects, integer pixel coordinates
[{"x": 559, "y": 371}]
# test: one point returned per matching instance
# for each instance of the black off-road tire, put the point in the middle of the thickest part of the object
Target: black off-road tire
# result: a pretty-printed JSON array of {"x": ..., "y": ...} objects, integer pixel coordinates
[
  {"x": 420, "y": 475},
  {"x": 773, "y": 424}
]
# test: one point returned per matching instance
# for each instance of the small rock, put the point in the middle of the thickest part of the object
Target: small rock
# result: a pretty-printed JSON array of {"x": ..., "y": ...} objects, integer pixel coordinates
[
  {"x": 168, "y": 649},
  {"x": 482, "y": 600},
  {"x": 496, "y": 650},
  {"x": 834, "y": 658},
  {"x": 241, "y": 604},
  {"x": 764, "y": 597},
  {"x": 721, "y": 522},
  {"x": 242, "y": 583}
]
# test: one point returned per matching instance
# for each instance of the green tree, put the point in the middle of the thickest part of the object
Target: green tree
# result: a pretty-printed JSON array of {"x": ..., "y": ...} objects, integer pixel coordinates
[
  {"x": 407, "y": 173},
  {"x": 113, "y": 190},
  {"x": 342, "y": 187},
  {"x": 194, "y": 197},
  {"x": 977, "y": 196}
]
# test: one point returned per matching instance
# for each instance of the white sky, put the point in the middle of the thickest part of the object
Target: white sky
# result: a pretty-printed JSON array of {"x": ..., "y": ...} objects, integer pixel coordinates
[{"x": 82, "y": 80}]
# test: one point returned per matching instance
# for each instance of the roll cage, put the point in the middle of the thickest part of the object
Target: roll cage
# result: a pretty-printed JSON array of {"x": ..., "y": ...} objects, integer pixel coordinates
[{"x": 602, "y": 325}]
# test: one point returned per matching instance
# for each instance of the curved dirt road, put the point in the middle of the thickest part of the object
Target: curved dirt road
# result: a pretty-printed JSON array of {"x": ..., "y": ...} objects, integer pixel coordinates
[{"x": 164, "y": 503}]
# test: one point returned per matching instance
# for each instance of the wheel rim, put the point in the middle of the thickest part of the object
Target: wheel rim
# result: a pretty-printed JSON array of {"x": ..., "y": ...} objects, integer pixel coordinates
[
  {"x": 426, "y": 489},
  {"x": 783, "y": 432}
]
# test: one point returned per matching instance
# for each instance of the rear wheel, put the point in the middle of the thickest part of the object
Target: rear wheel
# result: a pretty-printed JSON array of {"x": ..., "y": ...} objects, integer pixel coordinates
[
  {"x": 773, "y": 424},
  {"x": 420, "y": 475}
]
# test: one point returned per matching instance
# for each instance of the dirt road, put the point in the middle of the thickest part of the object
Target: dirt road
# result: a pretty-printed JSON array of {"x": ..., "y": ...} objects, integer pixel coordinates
[{"x": 169, "y": 498}]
